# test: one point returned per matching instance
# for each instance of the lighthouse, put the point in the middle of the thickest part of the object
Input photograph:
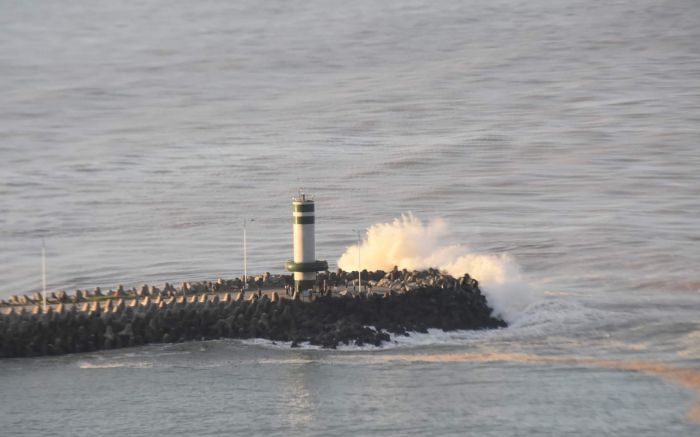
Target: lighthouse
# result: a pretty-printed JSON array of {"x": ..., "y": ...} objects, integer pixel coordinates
[{"x": 304, "y": 265}]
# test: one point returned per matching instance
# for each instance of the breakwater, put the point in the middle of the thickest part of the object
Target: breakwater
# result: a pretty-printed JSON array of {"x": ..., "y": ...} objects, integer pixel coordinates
[{"x": 391, "y": 303}]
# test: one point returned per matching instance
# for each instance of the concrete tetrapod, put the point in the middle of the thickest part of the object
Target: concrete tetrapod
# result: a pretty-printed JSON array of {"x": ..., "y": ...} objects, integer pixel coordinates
[{"x": 434, "y": 300}]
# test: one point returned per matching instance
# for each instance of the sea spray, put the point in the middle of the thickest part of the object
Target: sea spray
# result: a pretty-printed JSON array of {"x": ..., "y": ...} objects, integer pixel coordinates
[{"x": 410, "y": 244}]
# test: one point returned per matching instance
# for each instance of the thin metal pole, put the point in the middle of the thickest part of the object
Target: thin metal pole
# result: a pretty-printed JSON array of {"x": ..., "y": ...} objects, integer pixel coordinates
[
  {"x": 245, "y": 254},
  {"x": 359, "y": 268},
  {"x": 43, "y": 271}
]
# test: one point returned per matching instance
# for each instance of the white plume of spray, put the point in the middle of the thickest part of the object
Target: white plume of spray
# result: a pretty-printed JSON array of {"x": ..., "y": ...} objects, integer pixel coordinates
[{"x": 409, "y": 244}]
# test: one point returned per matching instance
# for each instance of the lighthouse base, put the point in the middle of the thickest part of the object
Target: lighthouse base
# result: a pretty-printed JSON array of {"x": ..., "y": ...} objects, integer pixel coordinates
[
  {"x": 305, "y": 273},
  {"x": 304, "y": 284}
]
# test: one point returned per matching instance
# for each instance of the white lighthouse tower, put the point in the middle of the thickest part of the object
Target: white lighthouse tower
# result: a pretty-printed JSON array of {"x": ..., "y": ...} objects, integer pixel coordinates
[{"x": 304, "y": 265}]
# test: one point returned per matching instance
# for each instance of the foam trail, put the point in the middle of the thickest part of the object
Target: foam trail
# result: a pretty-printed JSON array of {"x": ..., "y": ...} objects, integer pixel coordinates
[{"x": 410, "y": 244}]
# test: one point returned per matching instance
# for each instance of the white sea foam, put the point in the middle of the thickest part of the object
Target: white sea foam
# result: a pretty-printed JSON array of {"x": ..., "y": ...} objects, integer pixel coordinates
[
  {"x": 114, "y": 365},
  {"x": 410, "y": 244},
  {"x": 413, "y": 339},
  {"x": 285, "y": 361},
  {"x": 546, "y": 318},
  {"x": 277, "y": 344}
]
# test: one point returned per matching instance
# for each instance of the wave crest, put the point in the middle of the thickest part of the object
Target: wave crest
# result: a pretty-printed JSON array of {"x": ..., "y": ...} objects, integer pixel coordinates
[{"x": 408, "y": 243}]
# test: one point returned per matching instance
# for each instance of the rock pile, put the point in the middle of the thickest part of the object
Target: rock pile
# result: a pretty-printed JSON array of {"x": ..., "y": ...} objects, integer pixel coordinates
[
  {"x": 398, "y": 280},
  {"x": 429, "y": 300},
  {"x": 168, "y": 290}
]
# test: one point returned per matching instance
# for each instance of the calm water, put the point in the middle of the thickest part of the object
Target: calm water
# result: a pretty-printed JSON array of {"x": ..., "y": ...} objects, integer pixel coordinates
[{"x": 135, "y": 136}]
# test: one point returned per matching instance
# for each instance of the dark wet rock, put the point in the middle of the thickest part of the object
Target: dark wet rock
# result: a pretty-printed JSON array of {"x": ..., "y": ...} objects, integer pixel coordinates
[
  {"x": 127, "y": 334},
  {"x": 109, "y": 337}
]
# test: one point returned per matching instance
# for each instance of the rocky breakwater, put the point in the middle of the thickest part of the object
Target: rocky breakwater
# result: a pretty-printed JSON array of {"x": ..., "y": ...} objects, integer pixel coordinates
[{"x": 328, "y": 318}]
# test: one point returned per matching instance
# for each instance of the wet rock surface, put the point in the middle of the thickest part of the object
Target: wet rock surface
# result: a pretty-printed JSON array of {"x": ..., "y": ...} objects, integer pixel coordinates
[{"x": 408, "y": 301}]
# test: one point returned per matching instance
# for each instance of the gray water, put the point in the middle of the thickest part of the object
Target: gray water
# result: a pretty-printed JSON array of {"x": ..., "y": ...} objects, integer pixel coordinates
[{"x": 136, "y": 136}]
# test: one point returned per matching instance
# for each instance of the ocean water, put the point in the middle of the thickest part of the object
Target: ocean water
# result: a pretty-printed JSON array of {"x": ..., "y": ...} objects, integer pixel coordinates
[{"x": 564, "y": 135}]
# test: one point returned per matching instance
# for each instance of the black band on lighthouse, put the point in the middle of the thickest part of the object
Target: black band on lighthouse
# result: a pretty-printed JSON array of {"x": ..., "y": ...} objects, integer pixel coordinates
[
  {"x": 309, "y": 267},
  {"x": 307, "y": 220},
  {"x": 303, "y": 207}
]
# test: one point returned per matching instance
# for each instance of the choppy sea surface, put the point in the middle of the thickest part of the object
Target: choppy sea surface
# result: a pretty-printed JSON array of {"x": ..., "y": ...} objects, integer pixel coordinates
[{"x": 136, "y": 136}]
